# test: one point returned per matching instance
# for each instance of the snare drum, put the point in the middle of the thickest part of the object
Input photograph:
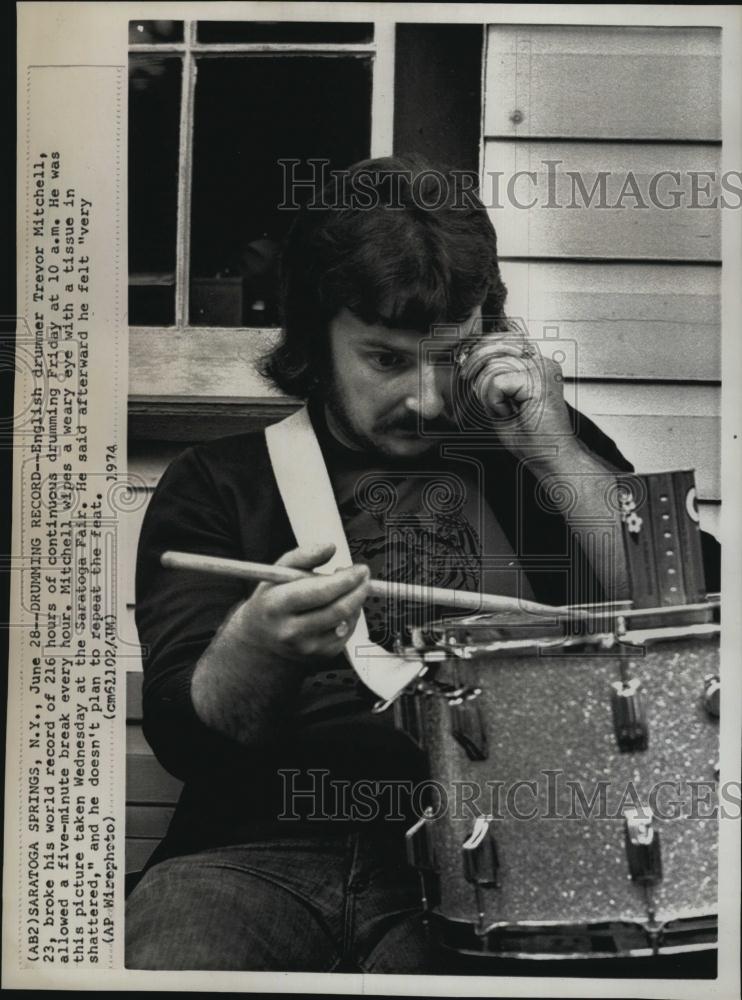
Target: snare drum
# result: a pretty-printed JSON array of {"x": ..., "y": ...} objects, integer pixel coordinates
[{"x": 572, "y": 806}]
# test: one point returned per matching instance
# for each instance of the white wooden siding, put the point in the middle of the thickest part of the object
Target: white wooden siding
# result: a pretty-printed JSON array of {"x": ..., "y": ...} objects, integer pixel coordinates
[
  {"x": 213, "y": 362},
  {"x": 604, "y": 82},
  {"x": 580, "y": 225},
  {"x": 626, "y": 320},
  {"x": 634, "y": 291}
]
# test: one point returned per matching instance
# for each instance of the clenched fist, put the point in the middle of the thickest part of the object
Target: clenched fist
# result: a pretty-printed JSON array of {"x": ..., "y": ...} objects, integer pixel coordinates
[{"x": 521, "y": 389}]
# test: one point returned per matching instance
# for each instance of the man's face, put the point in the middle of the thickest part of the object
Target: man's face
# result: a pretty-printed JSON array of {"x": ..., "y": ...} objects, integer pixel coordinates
[{"x": 383, "y": 388}]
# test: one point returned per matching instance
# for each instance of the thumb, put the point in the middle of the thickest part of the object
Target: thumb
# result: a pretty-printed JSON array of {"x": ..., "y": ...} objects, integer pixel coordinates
[{"x": 308, "y": 557}]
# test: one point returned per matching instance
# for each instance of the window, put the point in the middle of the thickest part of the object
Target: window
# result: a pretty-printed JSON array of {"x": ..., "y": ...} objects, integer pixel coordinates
[
  {"x": 216, "y": 112},
  {"x": 214, "y": 106}
]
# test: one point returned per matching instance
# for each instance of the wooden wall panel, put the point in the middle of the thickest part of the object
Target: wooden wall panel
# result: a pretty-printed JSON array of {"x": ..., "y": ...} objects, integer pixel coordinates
[
  {"x": 603, "y": 82},
  {"x": 595, "y": 225},
  {"x": 138, "y": 852},
  {"x": 147, "y": 782},
  {"x": 202, "y": 362},
  {"x": 659, "y": 428},
  {"x": 130, "y": 649},
  {"x": 664, "y": 443},
  {"x": 135, "y": 741},
  {"x": 624, "y": 104},
  {"x": 133, "y": 697},
  {"x": 646, "y": 399},
  {"x": 148, "y": 821},
  {"x": 710, "y": 517},
  {"x": 626, "y": 321},
  {"x": 149, "y": 459},
  {"x": 132, "y": 528}
]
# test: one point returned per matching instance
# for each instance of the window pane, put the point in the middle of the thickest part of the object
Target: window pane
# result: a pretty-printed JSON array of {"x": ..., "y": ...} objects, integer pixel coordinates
[
  {"x": 154, "y": 113},
  {"x": 284, "y": 31},
  {"x": 152, "y": 303},
  {"x": 250, "y": 113},
  {"x": 155, "y": 32}
]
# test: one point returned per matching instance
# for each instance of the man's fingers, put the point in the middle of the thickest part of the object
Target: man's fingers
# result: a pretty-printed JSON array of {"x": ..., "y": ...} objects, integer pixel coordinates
[
  {"x": 346, "y": 609},
  {"x": 512, "y": 386},
  {"x": 509, "y": 355},
  {"x": 496, "y": 348},
  {"x": 312, "y": 594},
  {"x": 307, "y": 558},
  {"x": 507, "y": 393}
]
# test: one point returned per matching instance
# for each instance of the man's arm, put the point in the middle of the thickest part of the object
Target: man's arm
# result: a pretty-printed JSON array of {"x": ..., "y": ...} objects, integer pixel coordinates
[
  {"x": 215, "y": 685},
  {"x": 577, "y": 482},
  {"x": 525, "y": 398},
  {"x": 246, "y": 681}
]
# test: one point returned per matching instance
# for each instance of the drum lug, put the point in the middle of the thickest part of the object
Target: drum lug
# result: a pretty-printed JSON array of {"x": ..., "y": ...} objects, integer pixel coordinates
[
  {"x": 407, "y": 717},
  {"x": 654, "y": 929},
  {"x": 711, "y": 694},
  {"x": 479, "y": 852},
  {"x": 629, "y": 715},
  {"x": 642, "y": 846},
  {"x": 382, "y": 705},
  {"x": 417, "y": 684},
  {"x": 419, "y": 843},
  {"x": 467, "y": 726},
  {"x": 421, "y": 856}
]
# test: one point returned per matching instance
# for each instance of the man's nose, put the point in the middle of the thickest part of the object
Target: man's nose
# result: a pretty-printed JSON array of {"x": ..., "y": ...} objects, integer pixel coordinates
[{"x": 428, "y": 400}]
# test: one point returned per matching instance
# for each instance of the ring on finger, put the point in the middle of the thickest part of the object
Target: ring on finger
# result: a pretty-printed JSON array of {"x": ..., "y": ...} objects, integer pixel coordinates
[{"x": 342, "y": 629}]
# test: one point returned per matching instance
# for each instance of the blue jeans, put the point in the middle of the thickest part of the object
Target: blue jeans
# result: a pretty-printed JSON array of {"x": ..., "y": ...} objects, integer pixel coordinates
[{"x": 332, "y": 903}]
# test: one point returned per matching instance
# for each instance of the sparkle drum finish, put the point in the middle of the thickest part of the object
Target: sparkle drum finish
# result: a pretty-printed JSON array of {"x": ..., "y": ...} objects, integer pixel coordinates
[{"x": 577, "y": 779}]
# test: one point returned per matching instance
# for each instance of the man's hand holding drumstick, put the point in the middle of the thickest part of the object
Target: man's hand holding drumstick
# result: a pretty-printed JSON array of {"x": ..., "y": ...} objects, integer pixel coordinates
[
  {"x": 259, "y": 657},
  {"x": 255, "y": 664}
]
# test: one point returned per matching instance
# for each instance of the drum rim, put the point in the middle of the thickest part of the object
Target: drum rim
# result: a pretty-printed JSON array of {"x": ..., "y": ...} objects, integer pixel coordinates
[
  {"x": 478, "y": 942},
  {"x": 622, "y": 612},
  {"x": 604, "y": 642}
]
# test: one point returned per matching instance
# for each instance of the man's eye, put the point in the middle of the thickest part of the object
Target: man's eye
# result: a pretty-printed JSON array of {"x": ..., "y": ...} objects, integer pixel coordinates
[{"x": 386, "y": 360}]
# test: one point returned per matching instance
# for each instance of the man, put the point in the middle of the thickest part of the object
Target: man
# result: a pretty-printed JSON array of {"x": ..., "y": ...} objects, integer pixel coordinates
[{"x": 248, "y": 694}]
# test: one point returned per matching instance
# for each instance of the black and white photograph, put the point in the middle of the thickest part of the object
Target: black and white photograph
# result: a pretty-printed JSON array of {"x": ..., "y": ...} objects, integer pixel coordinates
[
  {"x": 398, "y": 612},
  {"x": 410, "y": 304}
]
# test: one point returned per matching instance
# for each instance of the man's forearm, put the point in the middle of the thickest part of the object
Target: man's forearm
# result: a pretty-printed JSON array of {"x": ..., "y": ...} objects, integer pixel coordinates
[
  {"x": 239, "y": 691},
  {"x": 246, "y": 684},
  {"x": 576, "y": 482}
]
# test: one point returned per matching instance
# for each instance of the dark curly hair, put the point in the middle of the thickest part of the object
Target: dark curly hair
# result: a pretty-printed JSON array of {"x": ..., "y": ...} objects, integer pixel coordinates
[{"x": 397, "y": 242}]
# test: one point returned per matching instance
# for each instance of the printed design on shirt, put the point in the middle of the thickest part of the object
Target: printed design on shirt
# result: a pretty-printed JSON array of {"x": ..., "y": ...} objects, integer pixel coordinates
[{"x": 413, "y": 528}]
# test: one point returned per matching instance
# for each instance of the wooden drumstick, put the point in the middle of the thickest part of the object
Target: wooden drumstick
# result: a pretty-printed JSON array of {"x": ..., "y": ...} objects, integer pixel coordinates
[{"x": 464, "y": 600}]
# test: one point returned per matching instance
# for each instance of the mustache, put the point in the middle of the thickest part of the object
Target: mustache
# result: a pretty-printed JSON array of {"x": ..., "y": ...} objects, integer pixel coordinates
[{"x": 413, "y": 424}]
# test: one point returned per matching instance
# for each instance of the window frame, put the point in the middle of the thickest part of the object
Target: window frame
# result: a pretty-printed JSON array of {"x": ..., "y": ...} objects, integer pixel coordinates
[{"x": 381, "y": 53}]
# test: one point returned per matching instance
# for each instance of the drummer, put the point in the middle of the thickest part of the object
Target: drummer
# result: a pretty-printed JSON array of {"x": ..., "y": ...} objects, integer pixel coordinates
[{"x": 462, "y": 467}]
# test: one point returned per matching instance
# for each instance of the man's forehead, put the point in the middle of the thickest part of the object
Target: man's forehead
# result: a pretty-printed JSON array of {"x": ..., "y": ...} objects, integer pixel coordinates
[{"x": 347, "y": 324}]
